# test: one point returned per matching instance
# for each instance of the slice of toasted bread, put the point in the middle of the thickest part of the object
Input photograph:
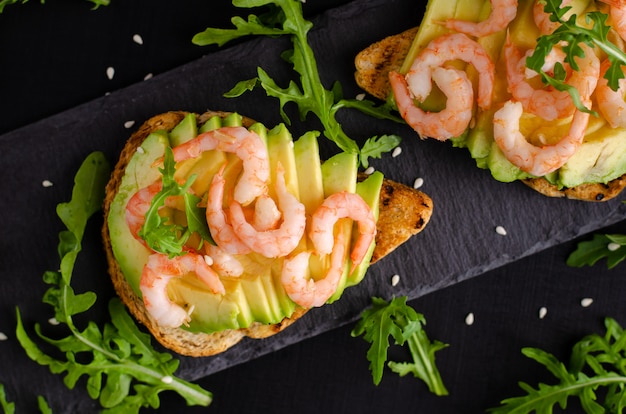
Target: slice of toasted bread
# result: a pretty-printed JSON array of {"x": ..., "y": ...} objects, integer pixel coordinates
[
  {"x": 403, "y": 213},
  {"x": 373, "y": 65}
]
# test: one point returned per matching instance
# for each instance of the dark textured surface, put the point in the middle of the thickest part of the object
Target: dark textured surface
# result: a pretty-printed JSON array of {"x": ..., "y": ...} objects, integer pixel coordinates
[{"x": 48, "y": 128}]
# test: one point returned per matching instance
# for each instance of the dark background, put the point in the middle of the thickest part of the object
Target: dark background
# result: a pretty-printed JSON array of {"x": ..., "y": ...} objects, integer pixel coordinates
[{"x": 54, "y": 56}]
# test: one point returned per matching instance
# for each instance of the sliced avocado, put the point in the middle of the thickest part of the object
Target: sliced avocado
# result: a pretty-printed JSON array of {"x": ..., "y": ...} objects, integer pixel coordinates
[
  {"x": 308, "y": 166},
  {"x": 213, "y": 123},
  {"x": 186, "y": 130},
  {"x": 280, "y": 150}
]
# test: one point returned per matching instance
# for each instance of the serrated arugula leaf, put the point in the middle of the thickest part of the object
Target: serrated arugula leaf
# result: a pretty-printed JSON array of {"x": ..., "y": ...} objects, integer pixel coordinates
[
  {"x": 596, "y": 368},
  {"x": 7, "y": 407},
  {"x": 609, "y": 246},
  {"x": 120, "y": 367},
  {"x": 401, "y": 322},
  {"x": 311, "y": 97}
]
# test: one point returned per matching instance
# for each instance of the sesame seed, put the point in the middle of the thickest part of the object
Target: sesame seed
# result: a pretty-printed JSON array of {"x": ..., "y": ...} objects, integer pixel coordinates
[
  {"x": 418, "y": 183},
  {"x": 191, "y": 309},
  {"x": 141, "y": 150},
  {"x": 129, "y": 124},
  {"x": 208, "y": 259},
  {"x": 613, "y": 246},
  {"x": 53, "y": 321},
  {"x": 586, "y": 302},
  {"x": 138, "y": 39},
  {"x": 396, "y": 151},
  {"x": 167, "y": 379},
  {"x": 395, "y": 279},
  {"x": 360, "y": 97},
  {"x": 148, "y": 76},
  {"x": 469, "y": 319},
  {"x": 369, "y": 170},
  {"x": 501, "y": 230},
  {"x": 47, "y": 183},
  {"x": 110, "y": 72},
  {"x": 3, "y": 336},
  {"x": 543, "y": 311}
]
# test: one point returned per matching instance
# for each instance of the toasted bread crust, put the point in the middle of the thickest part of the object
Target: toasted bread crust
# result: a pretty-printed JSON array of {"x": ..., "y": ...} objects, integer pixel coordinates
[
  {"x": 205, "y": 344},
  {"x": 373, "y": 65}
]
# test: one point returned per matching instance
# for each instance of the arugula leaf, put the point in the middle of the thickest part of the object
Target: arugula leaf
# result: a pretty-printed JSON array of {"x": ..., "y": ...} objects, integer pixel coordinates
[
  {"x": 609, "y": 246},
  {"x": 596, "y": 361},
  {"x": 570, "y": 36},
  {"x": 96, "y": 3},
  {"x": 117, "y": 357},
  {"x": 7, "y": 407},
  {"x": 310, "y": 95},
  {"x": 404, "y": 325}
]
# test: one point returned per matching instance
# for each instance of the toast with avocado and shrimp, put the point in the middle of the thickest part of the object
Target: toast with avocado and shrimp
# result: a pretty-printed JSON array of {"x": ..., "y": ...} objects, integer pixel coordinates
[
  {"x": 171, "y": 237},
  {"x": 584, "y": 163}
]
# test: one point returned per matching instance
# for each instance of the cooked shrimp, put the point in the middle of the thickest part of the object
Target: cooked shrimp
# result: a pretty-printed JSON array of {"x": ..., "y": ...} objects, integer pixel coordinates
[
  {"x": 448, "y": 48},
  {"x": 548, "y": 103},
  {"x": 279, "y": 241},
  {"x": 266, "y": 213},
  {"x": 611, "y": 103},
  {"x": 542, "y": 19},
  {"x": 343, "y": 205},
  {"x": 447, "y": 123},
  {"x": 308, "y": 292},
  {"x": 247, "y": 145},
  {"x": 224, "y": 263},
  {"x": 537, "y": 161},
  {"x": 157, "y": 273},
  {"x": 138, "y": 206},
  {"x": 221, "y": 229},
  {"x": 617, "y": 12},
  {"x": 502, "y": 13}
]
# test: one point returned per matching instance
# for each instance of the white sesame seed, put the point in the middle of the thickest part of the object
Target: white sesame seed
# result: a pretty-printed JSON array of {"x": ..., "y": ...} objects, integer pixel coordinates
[
  {"x": 141, "y": 150},
  {"x": 543, "y": 311},
  {"x": 129, "y": 124},
  {"x": 418, "y": 183},
  {"x": 586, "y": 302},
  {"x": 360, "y": 97},
  {"x": 167, "y": 379},
  {"x": 501, "y": 230},
  {"x": 613, "y": 246},
  {"x": 191, "y": 309},
  {"x": 396, "y": 151},
  {"x": 208, "y": 259},
  {"x": 148, "y": 76},
  {"x": 47, "y": 183},
  {"x": 110, "y": 72},
  {"x": 53, "y": 321},
  {"x": 395, "y": 279},
  {"x": 138, "y": 39},
  {"x": 369, "y": 170},
  {"x": 469, "y": 319},
  {"x": 3, "y": 336}
]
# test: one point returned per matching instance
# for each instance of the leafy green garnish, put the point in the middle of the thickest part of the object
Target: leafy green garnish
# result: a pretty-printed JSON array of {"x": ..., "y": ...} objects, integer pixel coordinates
[
  {"x": 118, "y": 356},
  {"x": 570, "y": 36},
  {"x": 310, "y": 96},
  {"x": 7, "y": 407},
  {"x": 609, "y": 246},
  {"x": 405, "y": 325},
  {"x": 158, "y": 232},
  {"x": 596, "y": 362},
  {"x": 96, "y": 3}
]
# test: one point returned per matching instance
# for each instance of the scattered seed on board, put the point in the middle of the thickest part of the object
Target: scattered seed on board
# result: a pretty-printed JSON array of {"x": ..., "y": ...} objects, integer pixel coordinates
[
  {"x": 47, "y": 183},
  {"x": 3, "y": 336},
  {"x": 369, "y": 170},
  {"x": 586, "y": 302},
  {"x": 543, "y": 311},
  {"x": 469, "y": 319},
  {"x": 110, "y": 72},
  {"x": 138, "y": 39},
  {"x": 129, "y": 124},
  {"x": 396, "y": 151},
  {"x": 418, "y": 183},
  {"x": 613, "y": 246},
  {"x": 148, "y": 76},
  {"x": 53, "y": 321},
  {"x": 501, "y": 230},
  {"x": 360, "y": 97},
  {"x": 395, "y": 279}
]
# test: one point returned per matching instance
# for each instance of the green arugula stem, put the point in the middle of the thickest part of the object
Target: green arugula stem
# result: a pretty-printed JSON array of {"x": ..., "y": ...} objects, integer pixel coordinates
[{"x": 431, "y": 375}]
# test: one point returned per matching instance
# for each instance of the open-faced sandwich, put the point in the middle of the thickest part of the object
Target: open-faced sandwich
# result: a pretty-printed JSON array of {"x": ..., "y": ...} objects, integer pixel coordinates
[
  {"x": 528, "y": 87},
  {"x": 217, "y": 228}
]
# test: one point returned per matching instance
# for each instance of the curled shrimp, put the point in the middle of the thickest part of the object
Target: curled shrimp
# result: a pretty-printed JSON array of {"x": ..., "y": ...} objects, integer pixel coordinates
[
  {"x": 247, "y": 145},
  {"x": 542, "y": 19},
  {"x": 343, "y": 205},
  {"x": 502, "y": 13},
  {"x": 224, "y": 263},
  {"x": 611, "y": 103},
  {"x": 137, "y": 207},
  {"x": 537, "y": 161},
  {"x": 548, "y": 103},
  {"x": 308, "y": 292},
  {"x": 279, "y": 241},
  {"x": 447, "y": 123},
  {"x": 158, "y": 272}
]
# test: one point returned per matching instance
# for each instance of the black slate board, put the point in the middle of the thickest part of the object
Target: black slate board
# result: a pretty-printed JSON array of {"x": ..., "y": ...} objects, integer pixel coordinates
[{"x": 459, "y": 243}]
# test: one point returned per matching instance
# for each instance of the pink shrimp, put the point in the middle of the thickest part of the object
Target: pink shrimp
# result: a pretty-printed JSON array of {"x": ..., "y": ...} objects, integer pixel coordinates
[
  {"x": 617, "y": 13},
  {"x": 537, "y": 161},
  {"x": 247, "y": 145},
  {"x": 548, "y": 103},
  {"x": 502, "y": 13},
  {"x": 447, "y": 123},
  {"x": 308, "y": 292},
  {"x": 138, "y": 206},
  {"x": 343, "y": 205},
  {"x": 158, "y": 272},
  {"x": 224, "y": 263},
  {"x": 542, "y": 19},
  {"x": 611, "y": 103},
  {"x": 278, "y": 241}
]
